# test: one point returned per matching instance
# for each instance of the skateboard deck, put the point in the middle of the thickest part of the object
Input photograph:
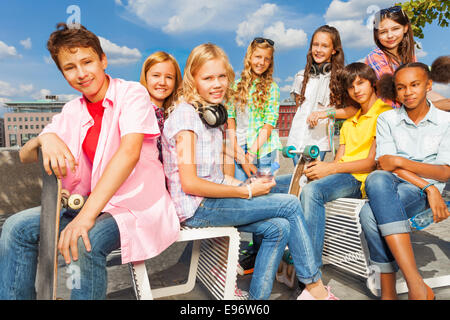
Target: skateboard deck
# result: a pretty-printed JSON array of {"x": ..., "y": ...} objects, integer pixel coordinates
[
  {"x": 49, "y": 231},
  {"x": 308, "y": 154}
]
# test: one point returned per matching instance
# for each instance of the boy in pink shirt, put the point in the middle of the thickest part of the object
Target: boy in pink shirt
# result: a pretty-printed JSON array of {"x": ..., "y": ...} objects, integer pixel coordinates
[{"x": 102, "y": 145}]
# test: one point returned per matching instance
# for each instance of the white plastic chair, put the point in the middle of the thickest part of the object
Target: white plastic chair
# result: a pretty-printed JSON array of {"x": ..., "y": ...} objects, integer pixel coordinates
[{"x": 214, "y": 262}]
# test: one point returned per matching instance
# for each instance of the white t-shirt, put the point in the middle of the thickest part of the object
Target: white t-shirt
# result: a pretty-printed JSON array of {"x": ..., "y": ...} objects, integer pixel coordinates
[{"x": 317, "y": 98}]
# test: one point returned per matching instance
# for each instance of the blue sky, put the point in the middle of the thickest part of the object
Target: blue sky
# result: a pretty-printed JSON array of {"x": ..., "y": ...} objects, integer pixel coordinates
[{"x": 130, "y": 30}]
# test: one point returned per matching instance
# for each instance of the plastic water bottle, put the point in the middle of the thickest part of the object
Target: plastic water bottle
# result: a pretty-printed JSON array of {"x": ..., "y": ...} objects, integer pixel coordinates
[
  {"x": 423, "y": 219},
  {"x": 262, "y": 172}
]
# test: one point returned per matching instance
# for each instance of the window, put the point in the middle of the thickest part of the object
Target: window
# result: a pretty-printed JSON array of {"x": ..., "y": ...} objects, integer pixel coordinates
[{"x": 12, "y": 140}]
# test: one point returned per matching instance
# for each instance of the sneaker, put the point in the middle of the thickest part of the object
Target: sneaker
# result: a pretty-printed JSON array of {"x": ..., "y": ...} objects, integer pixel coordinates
[
  {"x": 305, "y": 295},
  {"x": 247, "y": 264}
]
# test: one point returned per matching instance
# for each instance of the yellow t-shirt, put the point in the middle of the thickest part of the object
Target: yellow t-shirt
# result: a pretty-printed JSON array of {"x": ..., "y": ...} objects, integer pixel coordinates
[{"x": 358, "y": 133}]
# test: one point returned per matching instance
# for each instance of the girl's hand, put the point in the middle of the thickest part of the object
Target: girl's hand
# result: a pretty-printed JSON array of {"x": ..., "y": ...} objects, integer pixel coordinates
[
  {"x": 318, "y": 169},
  {"x": 314, "y": 117},
  {"x": 54, "y": 155},
  {"x": 68, "y": 239},
  {"x": 437, "y": 204},
  {"x": 389, "y": 163},
  {"x": 262, "y": 186}
]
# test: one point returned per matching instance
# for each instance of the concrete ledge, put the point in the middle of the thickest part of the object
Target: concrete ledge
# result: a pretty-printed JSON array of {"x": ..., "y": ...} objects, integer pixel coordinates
[{"x": 21, "y": 184}]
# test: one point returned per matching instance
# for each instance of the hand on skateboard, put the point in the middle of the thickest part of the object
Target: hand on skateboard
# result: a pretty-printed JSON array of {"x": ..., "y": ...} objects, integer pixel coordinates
[{"x": 299, "y": 179}]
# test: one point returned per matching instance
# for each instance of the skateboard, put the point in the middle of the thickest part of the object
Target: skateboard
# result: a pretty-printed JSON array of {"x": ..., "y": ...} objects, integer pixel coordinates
[
  {"x": 310, "y": 153},
  {"x": 53, "y": 198}
]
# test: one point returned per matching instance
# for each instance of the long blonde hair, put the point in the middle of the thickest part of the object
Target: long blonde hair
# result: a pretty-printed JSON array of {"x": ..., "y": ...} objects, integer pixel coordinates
[
  {"x": 158, "y": 57},
  {"x": 197, "y": 58},
  {"x": 259, "y": 97}
]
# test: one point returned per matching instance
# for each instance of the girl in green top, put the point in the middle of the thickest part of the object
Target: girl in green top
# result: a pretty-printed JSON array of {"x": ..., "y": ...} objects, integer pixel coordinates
[{"x": 253, "y": 111}]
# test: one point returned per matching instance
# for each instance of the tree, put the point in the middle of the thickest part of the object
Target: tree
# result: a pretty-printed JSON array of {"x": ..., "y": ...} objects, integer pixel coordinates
[{"x": 421, "y": 12}]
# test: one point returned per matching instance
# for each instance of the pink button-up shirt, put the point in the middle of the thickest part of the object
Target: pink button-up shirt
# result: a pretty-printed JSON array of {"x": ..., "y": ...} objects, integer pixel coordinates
[{"x": 142, "y": 207}]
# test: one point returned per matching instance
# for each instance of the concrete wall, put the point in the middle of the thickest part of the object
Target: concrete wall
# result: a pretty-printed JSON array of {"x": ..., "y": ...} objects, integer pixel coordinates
[{"x": 20, "y": 184}]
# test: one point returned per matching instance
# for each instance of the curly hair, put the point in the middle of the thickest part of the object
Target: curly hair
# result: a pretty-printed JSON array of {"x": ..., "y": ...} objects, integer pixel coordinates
[
  {"x": 337, "y": 63},
  {"x": 260, "y": 95},
  {"x": 440, "y": 70}
]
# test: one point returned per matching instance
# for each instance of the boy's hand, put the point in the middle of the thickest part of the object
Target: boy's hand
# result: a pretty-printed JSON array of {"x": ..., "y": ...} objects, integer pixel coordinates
[
  {"x": 318, "y": 169},
  {"x": 437, "y": 204},
  {"x": 389, "y": 163},
  {"x": 54, "y": 155},
  {"x": 313, "y": 118},
  {"x": 68, "y": 239}
]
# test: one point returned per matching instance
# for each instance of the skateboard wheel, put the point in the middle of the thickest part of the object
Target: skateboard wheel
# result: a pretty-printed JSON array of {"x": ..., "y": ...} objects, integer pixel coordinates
[
  {"x": 287, "y": 152},
  {"x": 311, "y": 151},
  {"x": 76, "y": 201}
]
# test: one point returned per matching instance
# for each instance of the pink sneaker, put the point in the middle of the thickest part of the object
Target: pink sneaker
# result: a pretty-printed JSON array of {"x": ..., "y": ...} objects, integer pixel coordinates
[{"x": 305, "y": 295}]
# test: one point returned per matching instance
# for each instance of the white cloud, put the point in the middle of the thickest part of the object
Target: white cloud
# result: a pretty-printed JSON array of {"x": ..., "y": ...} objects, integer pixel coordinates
[
  {"x": 354, "y": 19},
  {"x": 26, "y": 43},
  {"x": 285, "y": 38},
  {"x": 286, "y": 88},
  {"x": 48, "y": 59},
  {"x": 118, "y": 55},
  {"x": 41, "y": 94},
  {"x": 179, "y": 16},
  {"x": 256, "y": 24},
  {"x": 6, "y": 89},
  {"x": 420, "y": 53},
  {"x": 289, "y": 79},
  {"x": 8, "y": 51}
]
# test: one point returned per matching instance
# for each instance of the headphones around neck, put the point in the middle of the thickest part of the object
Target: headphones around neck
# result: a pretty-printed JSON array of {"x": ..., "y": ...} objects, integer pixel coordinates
[
  {"x": 323, "y": 68},
  {"x": 213, "y": 116}
]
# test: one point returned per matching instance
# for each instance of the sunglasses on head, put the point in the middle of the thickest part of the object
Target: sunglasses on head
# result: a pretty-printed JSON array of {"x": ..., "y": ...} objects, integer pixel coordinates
[
  {"x": 391, "y": 10},
  {"x": 261, "y": 40}
]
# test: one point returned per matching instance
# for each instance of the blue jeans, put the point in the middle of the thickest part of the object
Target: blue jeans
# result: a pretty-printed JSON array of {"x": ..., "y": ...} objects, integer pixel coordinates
[
  {"x": 316, "y": 194},
  {"x": 264, "y": 161},
  {"x": 392, "y": 202},
  {"x": 19, "y": 251},
  {"x": 278, "y": 220}
]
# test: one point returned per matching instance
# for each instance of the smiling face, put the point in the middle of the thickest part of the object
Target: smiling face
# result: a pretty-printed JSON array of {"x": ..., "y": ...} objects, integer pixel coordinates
[
  {"x": 260, "y": 60},
  {"x": 211, "y": 81},
  {"x": 161, "y": 78},
  {"x": 411, "y": 86},
  {"x": 361, "y": 90},
  {"x": 322, "y": 47},
  {"x": 85, "y": 71},
  {"x": 391, "y": 33}
]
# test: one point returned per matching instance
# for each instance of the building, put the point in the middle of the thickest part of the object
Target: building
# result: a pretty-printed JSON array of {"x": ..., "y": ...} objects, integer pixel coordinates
[
  {"x": 286, "y": 114},
  {"x": 25, "y": 120},
  {"x": 2, "y": 132}
]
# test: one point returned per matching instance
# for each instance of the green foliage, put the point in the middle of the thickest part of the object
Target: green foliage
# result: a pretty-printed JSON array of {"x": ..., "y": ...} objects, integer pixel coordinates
[{"x": 421, "y": 12}]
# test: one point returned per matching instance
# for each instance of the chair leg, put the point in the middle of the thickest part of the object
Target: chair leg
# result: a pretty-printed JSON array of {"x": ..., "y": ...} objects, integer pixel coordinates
[
  {"x": 233, "y": 257},
  {"x": 141, "y": 283}
]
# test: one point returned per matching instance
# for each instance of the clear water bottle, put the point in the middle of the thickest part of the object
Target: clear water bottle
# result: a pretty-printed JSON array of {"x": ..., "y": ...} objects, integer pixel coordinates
[
  {"x": 268, "y": 172},
  {"x": 423, "y": 219}
]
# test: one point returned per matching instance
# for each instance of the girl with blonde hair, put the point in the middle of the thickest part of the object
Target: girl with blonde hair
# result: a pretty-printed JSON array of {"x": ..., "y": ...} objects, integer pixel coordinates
[
  {"x": 161, "y": 75},
  {"x": 204, "y": 196},
  {"x": 253, "y": 111}
]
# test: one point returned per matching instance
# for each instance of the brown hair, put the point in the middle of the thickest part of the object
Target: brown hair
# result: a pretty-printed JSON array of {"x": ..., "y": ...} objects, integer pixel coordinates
[
  {"x": 337, "y": 63},
  {"x": 347, "y": 76},
  {"x": 261, "y": 93},
  {"x": 158, "y": 57},
  {"x": 406, "y": 46},
  {"x": 440, "y": 70},
  {"x": 66, "y": 37}
]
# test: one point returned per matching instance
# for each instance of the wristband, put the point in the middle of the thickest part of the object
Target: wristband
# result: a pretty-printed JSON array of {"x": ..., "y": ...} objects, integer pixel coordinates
[
  {"x": 424, "y": 188},
  {"x": 331, "y": 113},
  {"x": 249, "y": 192}
]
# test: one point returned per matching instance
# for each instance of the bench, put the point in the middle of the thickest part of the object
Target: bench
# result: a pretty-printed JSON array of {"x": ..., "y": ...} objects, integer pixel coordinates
[
  {"x": 214, "y": 263},
  {"x": 345, "y": 246}
]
